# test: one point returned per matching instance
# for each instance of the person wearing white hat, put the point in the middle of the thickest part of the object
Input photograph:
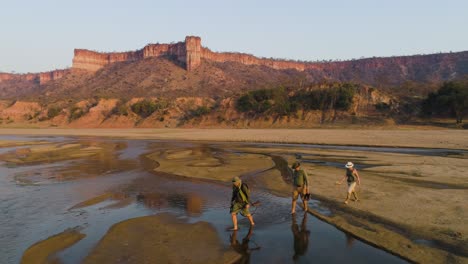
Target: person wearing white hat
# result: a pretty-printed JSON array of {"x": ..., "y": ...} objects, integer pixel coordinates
[{"x": 352, "y": 177}]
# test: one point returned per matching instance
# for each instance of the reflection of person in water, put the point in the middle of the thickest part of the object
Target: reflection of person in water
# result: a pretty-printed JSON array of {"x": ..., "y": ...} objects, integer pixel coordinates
[
  {"x": 301, "y": 236},
  {"x": 349, "y": 240},
  {"x": 243, "y": 248}
]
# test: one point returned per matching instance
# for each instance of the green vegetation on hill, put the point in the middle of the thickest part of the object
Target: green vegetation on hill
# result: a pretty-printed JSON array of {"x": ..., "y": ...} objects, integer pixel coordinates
[
  {"x": 147, "y": 107},
  {"x": 144, "y": 108},
  {"x": 450, "y": 100},
  {"x": 336, "y": 96}
]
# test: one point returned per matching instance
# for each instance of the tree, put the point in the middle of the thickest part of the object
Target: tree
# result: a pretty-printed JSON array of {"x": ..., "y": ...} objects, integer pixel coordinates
[{"x": 451, "y": 99}]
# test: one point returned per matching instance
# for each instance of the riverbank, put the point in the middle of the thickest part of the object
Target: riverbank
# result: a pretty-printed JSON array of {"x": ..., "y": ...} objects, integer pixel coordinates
[{"x": 403, "y": 137}]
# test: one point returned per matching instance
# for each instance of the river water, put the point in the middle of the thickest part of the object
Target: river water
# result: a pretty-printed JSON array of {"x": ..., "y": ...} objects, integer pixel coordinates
[{"x": 37, "y": 201}]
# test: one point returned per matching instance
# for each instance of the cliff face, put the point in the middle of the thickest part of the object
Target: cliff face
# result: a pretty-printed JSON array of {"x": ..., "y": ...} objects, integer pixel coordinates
[
  {"x": 25, "y": 77},
  {"x": 41, "y": 78},
  {"x": 385, "y": 72},
  {"x": 45, "y": 77},
  {"x": 187, "y": 52},
  {"x": 374, "y": 71}
]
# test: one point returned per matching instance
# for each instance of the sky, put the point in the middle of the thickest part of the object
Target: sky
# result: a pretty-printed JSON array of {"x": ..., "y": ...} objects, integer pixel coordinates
[{"x": 41, "y": 35}]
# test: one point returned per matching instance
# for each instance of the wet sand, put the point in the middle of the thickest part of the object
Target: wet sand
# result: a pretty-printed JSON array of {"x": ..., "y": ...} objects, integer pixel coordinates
[
  {"x": 407, "y": 201},
  {"x": 404, "y": 137},
  {"x": 44, "y": 251},
  {"x": 163, "y": 238}
]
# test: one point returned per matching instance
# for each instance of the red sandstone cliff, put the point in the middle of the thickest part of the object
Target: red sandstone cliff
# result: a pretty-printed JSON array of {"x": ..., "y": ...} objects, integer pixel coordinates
[
  {"x": 388, "y": 72},
  {"x": 187, "y": 52},
  {"x": 385, "y": 71},
  {"x": 41, "y": 77},
  {"x": 45, "y": 77}
]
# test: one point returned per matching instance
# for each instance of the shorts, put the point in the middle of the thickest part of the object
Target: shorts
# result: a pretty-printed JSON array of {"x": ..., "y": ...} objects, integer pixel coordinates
[
  {"x": 351, "y": 186},
  {"x": 298, "y": 191},
  {"x": 239, "y": 208}
]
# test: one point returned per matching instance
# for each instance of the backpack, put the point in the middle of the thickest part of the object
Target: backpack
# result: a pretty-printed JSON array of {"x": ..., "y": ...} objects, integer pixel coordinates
[{"x": 242, "y": 194}]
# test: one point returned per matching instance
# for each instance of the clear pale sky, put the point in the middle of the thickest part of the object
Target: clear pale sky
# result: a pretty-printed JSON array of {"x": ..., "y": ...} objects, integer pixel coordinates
[{"x": 41, "y": 35}]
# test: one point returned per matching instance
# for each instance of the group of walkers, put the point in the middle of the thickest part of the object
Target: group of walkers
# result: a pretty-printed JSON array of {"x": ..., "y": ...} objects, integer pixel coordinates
[{"x": 240, "y": 200}]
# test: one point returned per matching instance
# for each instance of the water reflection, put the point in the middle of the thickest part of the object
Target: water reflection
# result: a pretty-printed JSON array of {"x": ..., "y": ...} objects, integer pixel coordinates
[
  {"x": 301, "y": 236},
  {"x": 152, "y": 200},
  {"x": 243, "y": 248},
  {"x": 349, "y": 240},
  {"x": 191, "y": 203}
]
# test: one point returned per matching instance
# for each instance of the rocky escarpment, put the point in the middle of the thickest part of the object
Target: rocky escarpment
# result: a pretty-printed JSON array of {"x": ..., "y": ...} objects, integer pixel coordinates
[
  {"x": 40, "y": 78},
  {"x": 373, "y": 71},
  {"x": 193, "y": 59},
  {"x": 187, "y": 53}
]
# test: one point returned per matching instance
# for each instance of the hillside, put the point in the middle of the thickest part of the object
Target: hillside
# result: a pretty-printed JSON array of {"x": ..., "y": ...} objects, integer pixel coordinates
[
  {"x": 203, "y": 87},
  {"x": 162, "y": 77}
]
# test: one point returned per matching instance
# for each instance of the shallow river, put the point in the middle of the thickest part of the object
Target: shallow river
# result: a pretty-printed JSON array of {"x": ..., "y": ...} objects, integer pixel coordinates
[{"x": 36, "y": 202}]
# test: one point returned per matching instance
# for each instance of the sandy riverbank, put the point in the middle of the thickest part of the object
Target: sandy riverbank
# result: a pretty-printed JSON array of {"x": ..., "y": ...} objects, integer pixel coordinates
[{"x": 444, "y": 138}]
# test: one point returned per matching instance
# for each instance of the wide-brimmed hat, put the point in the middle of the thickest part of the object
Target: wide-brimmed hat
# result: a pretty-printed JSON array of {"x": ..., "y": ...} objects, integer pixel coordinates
[
  {"x": 349, "y": 165},
  {"x": 236, "y": 179},
  {"x": 296, "y": 165}
]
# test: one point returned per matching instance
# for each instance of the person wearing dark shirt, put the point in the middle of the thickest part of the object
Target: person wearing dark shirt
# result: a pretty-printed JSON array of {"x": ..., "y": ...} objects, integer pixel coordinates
[
  {"x": 300, "y": 186},
  {"x": 352, "y": 177},
  {"x": 240, "y": 202}
]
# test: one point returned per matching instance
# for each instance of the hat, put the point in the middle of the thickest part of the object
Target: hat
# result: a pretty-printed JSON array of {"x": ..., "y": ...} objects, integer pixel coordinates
[
  {"x": 349, "y": 164},
  {"x": 296, "y": 165},
  {"x": 236, "y": 179}
]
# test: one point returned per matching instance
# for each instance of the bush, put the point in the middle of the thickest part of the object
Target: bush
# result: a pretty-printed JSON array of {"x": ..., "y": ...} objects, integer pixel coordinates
[
  {"x": 200, "y": 111},
  {"x": 451, "y": 99},
  {"x": 53, "y": 112},
  {"x": 277, "y": 101},
  {"x": 144, "y": 108},
  {"x": 382, "y": 107},
  {"x": 264, "y": 100},
  {"x": 120, "y": 109},
  {"x": 76, "y": 113}
]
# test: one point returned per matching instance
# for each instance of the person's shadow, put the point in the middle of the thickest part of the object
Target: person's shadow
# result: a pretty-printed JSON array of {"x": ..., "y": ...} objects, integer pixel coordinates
[
  {"x": 301, "y": 236},
  {"x": 243, "y": 248}
]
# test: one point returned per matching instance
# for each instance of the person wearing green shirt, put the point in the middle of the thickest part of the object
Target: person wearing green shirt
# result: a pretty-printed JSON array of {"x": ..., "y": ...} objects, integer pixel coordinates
[
  {"x": 300, "y": 186},
  {"x": 240, "y": 202}
]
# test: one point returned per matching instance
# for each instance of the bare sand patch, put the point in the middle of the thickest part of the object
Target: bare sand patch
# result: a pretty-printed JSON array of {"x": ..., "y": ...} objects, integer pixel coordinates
[
  {"x": 44, "y": 251},
  {"x": 17, "y": 143},
  {"x": 399, "y": 137},
  {"x": 49, "y": 153},
  {"x": 161, "y": 238},
  {"x": 209, "y": 163}
]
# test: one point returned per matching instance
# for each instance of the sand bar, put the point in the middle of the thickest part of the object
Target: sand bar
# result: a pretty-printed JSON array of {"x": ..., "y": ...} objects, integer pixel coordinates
[{"x": 443, "y": 138}]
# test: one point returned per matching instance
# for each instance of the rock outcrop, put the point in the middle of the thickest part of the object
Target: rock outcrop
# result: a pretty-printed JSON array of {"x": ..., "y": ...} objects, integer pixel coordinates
[
  {"x": 45, "y": 77},
  {"x": 190, "y": 54},
  {"x": 41, "y": 78},
  {"x": 391, "y": 70},
  {"x": 187, "y": 52}
]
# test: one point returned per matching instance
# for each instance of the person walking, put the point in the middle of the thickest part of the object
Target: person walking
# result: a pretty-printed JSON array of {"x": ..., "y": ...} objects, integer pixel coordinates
[
  {"x": 352, "y": 177},
  {"x": 300, "y": 186},
  {"x": 240, "y": 202}
]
